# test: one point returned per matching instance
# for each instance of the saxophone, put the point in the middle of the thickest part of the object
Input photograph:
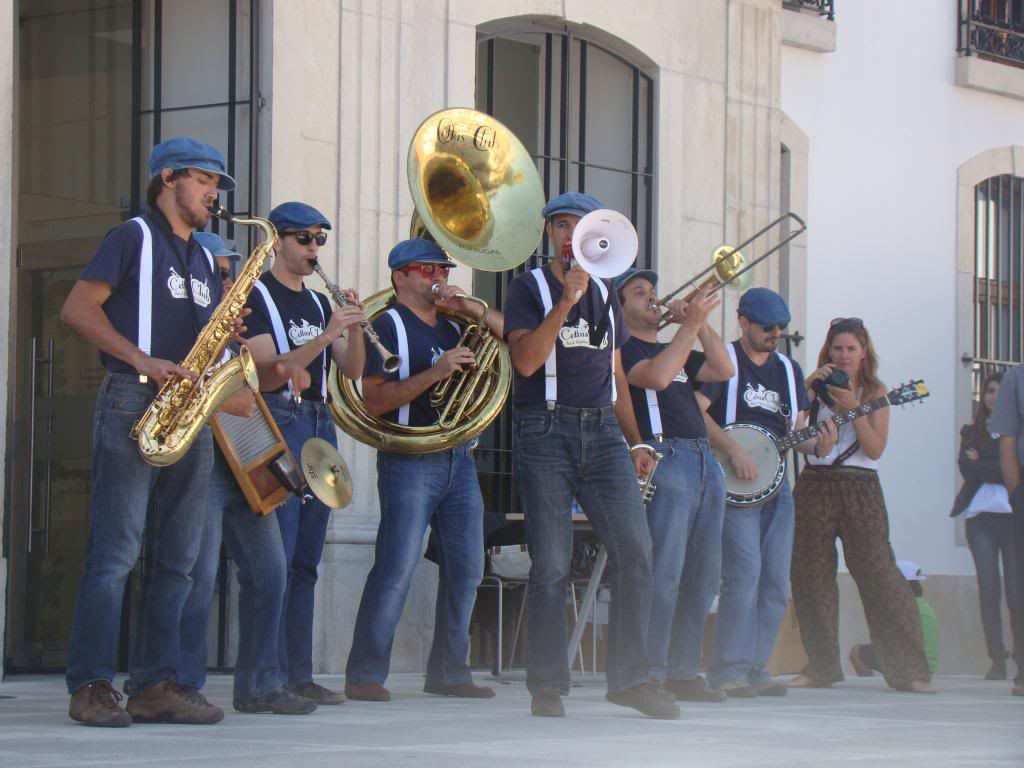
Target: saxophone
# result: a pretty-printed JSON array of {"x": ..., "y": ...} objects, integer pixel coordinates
[{"x": 182, "y": 406}]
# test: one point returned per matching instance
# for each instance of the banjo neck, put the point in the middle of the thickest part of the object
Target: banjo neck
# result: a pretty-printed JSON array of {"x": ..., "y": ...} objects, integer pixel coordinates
[{"x": 795, "y": 438}]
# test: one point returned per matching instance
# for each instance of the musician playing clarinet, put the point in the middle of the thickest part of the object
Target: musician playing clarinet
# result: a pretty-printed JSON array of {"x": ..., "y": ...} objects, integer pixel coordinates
[
  {"x": 757, "y": 541},
  {"x": 292, "y": 323},
  {"x": 686, "y": 509}
]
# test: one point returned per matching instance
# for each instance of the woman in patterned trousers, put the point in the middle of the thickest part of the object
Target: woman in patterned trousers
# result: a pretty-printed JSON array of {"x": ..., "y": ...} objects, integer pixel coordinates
[{"x": 838, "y": 495}]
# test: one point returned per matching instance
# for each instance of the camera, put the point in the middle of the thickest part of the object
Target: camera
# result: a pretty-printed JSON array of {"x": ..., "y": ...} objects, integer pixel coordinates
[{"x": 837, "y": 378}]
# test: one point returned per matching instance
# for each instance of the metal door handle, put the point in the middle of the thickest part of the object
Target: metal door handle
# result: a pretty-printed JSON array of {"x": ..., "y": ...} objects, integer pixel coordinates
[{"x": 33, "y": 367}]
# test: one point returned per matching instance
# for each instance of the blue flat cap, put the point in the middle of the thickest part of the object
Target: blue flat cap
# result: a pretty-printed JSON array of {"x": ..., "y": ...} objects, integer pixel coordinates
[
  {"x": 647, "y": 274},
  {"x": 417, "y": 250},
  {"x": 184, "y": 152},
  {"x": 575, "y": 203},
  {"x": 295, "y": 215},
  {"x": 764, "y": 306},
  {"x": 211, "y": 241}
]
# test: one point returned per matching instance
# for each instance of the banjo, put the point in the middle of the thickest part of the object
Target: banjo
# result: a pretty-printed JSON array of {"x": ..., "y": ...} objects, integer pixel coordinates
[{"x": 769, "y": 452}]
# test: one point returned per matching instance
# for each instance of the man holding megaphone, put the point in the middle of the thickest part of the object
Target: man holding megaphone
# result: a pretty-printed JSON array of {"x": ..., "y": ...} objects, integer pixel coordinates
[{"x": 564, "y": 332}]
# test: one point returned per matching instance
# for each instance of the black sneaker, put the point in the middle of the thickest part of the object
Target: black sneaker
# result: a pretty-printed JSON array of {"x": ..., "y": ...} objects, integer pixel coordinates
[
  {"x": 279, "y": 701},
  {"x": 998, "y": 670},
  {"x": 648, "y": 699},
  {"x": 547, "y": 702}
]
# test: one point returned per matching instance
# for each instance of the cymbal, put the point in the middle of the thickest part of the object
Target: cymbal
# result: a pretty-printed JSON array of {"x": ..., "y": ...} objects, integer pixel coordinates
[
  {"x": 476, "y": 188},
  {"x": 326, "y": 473}
]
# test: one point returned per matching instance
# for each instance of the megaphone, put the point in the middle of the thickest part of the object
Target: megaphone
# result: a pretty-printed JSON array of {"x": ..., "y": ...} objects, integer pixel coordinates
[{"x": 605, "y": 243}]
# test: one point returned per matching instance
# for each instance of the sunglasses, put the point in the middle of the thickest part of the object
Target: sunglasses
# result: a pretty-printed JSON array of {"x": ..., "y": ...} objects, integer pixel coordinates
[
  {"x": 427, "y": 270},
  {"x": 772, "y": 327},
  {"x": 845, "y": 322},
  {"x": 302, "y": 237}
]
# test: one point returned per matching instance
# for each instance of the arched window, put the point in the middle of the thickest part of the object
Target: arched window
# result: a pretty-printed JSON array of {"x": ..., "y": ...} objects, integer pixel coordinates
[{"x": 586, "y": 114}]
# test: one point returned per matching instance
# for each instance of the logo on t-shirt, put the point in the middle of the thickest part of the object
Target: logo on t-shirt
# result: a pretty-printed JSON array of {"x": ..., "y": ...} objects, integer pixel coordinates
[
  {"x": 766, "y": 399},
  {"x": 176, "y": 285},
  {"x": 681, "y": 377},
  {"x": 579, "y": 335},
  {"x": 300, "y": 334},
  {"x": 436, "y": 353}
]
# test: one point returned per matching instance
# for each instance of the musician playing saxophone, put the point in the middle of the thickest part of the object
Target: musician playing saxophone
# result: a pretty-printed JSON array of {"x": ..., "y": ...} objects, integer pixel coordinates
[
  {"x": 290, "y": 322},
  {"x": 686, "y": 510},
  {"x": 143, "y": 300},
  {"x": 757, "y": 541},
  {"x": 438, "y": 489}
]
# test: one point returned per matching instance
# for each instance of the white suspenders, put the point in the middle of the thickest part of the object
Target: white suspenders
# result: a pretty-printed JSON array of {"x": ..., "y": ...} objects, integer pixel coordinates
[
  {"x": 732, "y": 392},
  {"x": 550, "y": 367},
  {"x": 281, "y": 338},
  {"x": 403, "y": 352}
]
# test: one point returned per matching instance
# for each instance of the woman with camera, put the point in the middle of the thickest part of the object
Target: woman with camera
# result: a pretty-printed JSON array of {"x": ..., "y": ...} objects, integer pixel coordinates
[
  {"x": 985, "y": 506},
  {"x": 838, "y": 495}
]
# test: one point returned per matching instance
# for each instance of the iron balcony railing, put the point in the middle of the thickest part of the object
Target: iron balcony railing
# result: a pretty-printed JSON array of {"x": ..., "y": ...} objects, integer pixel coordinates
[
  {"x": 993, "y": 29},
  {"x": 823, "y": 7}
]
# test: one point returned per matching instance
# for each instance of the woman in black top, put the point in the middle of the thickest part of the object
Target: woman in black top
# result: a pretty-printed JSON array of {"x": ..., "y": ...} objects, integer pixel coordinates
[{"x": 985, "y": 506}]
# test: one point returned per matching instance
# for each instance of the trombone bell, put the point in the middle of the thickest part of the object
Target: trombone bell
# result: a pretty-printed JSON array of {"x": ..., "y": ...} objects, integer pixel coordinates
[{"x": 729, "y": 263}]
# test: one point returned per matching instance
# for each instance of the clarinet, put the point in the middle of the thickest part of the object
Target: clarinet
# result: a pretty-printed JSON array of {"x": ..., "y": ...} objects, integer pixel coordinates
[{"x": 392, "y": 362}]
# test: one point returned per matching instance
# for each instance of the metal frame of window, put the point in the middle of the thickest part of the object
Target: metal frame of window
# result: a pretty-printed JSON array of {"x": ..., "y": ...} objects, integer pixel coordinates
[
  {"x": 998, "y": 277},
  {"x": 495, "y": 461},
  {"x": 823, "y": 7},
  {"x": 993, "y": 29},
  {"x": 138, "y": 202}
]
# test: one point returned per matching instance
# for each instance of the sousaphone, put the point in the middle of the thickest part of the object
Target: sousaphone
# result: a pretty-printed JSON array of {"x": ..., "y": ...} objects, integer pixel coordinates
[{"x": 478, "y": 194}]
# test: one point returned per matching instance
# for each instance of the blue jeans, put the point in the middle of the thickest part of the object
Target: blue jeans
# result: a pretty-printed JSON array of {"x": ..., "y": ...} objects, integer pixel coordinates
[
  {"x": 123, "y": 486},
  {"x": 757, "y": 544},
  {"x": 559, "y": 455},
  {"x": 685, "y": 517},
  {"x": 254, "y": 545},
  {"x": 303, "y": 527},
  {"x": 440, "y": 490},
  {"x": 988, "y": 536}
]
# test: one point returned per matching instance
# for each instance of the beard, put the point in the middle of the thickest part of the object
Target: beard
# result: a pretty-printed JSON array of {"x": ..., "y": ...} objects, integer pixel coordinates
[{"x": 189, "y": 215}]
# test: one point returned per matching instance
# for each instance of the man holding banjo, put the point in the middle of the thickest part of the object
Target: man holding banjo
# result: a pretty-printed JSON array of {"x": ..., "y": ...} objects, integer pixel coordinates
[{"x": 766, "y": 390}]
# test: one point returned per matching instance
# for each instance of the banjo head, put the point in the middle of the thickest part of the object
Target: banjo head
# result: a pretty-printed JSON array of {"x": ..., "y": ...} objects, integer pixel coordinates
[{"x": 771, "y": 466}]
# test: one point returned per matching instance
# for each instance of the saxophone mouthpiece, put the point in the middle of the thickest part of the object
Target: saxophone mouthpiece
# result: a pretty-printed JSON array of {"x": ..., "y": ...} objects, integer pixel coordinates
[{"x": 221, "y": 212}]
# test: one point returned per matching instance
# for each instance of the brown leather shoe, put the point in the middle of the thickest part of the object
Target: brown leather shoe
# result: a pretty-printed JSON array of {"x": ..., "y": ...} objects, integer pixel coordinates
[
  {"x": 97, "y": 704},
  {"x": 164, "y": 703},
  {"x": 547, "y": 702},
  {"x": 316, "y": 692},
  {"x": 367, "y": 691},
  {"x": 693, "y": 690},
  {"x": 468, "y": 690}
]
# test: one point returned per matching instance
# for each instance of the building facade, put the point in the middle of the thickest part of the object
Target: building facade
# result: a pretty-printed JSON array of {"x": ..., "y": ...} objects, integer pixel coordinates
[{"x": 702, "y": 120}]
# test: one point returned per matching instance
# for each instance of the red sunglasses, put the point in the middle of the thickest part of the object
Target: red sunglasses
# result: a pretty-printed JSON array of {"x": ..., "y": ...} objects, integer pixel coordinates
[{"x": 426, "y": 269}]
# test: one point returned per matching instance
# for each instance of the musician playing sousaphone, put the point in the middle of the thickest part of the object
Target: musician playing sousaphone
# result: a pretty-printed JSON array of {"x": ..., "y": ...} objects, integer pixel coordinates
[
  {"x": 767, "y": 389},
  {"x": 290, "y": 322},
  {"x": 686, "y": 509},
  {"x": 439, "y": 489}
]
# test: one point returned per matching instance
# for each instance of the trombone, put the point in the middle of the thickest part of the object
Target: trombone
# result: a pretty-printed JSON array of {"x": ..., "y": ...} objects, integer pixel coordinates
[{"x": 728, "y": 265}]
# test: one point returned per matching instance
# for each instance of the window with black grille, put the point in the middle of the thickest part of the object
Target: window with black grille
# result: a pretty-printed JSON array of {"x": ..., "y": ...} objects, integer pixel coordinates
[{"x": 586, "y": 115}]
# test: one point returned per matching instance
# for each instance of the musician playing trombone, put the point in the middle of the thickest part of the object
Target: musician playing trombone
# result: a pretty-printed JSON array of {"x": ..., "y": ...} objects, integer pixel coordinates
[
  {"x": 686, "y": 510},
  {"x": 439, "y": 489},
  {"x": 292, "y": 323},
  {"x": 569, "y": 443}
]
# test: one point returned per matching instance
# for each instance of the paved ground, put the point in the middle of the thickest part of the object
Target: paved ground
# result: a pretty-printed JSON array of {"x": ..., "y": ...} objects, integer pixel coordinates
[{"x": 971, "y": 723}]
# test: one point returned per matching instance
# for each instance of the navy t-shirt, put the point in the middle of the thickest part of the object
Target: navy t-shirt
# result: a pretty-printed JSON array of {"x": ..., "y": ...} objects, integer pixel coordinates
[
  {"x": 584, "y": 371},
  {"x": 303, "y": 318},
  {"x": 762, "y": 393},
  {"x": 425, "y": 345},
  {"x": 177, "y": 265},
  {"x": 677, "y": 405}
]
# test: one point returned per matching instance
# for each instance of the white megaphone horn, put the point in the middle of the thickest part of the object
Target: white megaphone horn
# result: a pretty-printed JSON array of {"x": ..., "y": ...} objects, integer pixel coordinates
[{"x": 605, "y": 243}]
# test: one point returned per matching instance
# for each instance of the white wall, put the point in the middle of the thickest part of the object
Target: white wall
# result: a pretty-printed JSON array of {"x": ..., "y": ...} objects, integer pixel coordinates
[{"x": 888, "y": 130}]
